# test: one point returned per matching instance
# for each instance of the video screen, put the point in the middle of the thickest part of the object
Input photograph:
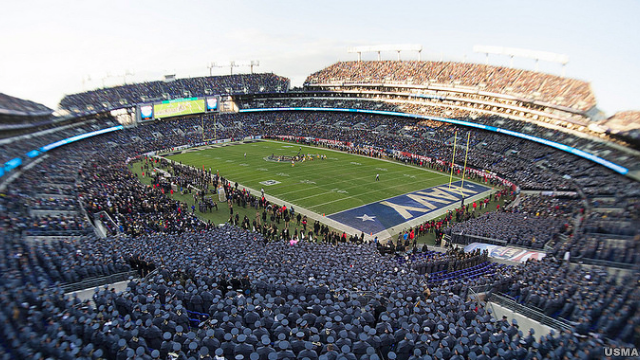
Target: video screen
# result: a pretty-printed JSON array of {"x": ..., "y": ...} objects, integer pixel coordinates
[
  {"x": 212, "y": 104},
  {"x": 178, "y": 107},
  {"x": 146, "y": 112}
]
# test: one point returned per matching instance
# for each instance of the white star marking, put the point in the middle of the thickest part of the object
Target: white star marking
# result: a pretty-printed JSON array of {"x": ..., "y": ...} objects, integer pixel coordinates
[{"x": 366, "y": 217}]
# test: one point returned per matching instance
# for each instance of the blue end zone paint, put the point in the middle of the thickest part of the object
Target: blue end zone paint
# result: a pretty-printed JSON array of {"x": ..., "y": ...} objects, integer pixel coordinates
[{"x": 379, "y": 216}]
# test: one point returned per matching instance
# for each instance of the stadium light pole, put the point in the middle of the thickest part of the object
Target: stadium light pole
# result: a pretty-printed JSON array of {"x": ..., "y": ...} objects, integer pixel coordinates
[
  {"x": 127, "y": 73},
  {"x": 522, "y": 53},
  {"x": 215, "y": 65},
  {"x": 85, "y": 78},
  {"x": 232, "y": 65},
  {"x": 254, "y": 63},
  {"x": 380, "y": 48}
]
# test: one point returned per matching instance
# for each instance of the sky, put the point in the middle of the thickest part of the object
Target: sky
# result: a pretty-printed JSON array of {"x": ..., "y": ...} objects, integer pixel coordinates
[{"x": 53, "y": 48}]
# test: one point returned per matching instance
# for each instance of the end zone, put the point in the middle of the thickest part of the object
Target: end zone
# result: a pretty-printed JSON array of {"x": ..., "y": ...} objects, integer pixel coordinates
[{"x": 418, "y": 205}]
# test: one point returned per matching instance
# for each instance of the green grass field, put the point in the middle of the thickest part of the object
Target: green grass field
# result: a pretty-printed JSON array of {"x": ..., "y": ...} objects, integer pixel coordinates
[{"x": 340, "y": 182}]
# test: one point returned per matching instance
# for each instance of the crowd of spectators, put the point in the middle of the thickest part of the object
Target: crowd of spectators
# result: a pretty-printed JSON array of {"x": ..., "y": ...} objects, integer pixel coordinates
[
  {"x": 126, "y": 95},
  {"x": 27, "y": 108},
  {"x": 609, "y": 232},
  {"x": 42, "y": 205},
  {"x": 449, "y": 103},
  {"x": 624, "y": 125},
  {"x": 53, "y": 204},
  {"x": 136, "y": 208},
  {"x": 451, "y": 261},
  {"x": 530, "y": 165},
  {"x": 622, "y": 121},
  {"x": 597, "y": 247},
  {"x": 602, "y": 146},
  {"x": 531, "y": 223},
  {"x": 58, "y": 261},
  {"x": 218, "y": 288},
  {"x": 19, "y": 146},
  {"x": 226, "y": 290},
  {"x": 589, "y": 298},
  {"x": 496, "y": 79}
]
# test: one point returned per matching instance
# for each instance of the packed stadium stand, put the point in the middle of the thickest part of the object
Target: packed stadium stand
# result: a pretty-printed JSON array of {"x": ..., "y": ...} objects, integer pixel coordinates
[
  {"x": 19, "y": 115},
  {"x": 623, "y": 121},
  {"x": 121, "y": 96},
  {"x": 10, "y": 105},
  {"x": 624, "y": 125},
  {"x": 516, "y": 83},
  {"x": 201, "y": 291}
]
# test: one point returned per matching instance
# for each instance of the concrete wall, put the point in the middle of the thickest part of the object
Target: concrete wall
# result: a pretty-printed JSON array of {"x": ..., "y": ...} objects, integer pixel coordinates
[
  {"x": 524, "y": 323},
  {"x": 87, "y": 294}
]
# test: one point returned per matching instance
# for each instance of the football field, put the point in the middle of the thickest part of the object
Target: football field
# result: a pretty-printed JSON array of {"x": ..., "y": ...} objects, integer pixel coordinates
[{"x": 343, "y": 186}]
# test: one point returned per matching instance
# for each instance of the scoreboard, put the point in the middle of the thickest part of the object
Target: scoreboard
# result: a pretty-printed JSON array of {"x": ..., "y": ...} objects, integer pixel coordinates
[{"x": 180, "y": 107}]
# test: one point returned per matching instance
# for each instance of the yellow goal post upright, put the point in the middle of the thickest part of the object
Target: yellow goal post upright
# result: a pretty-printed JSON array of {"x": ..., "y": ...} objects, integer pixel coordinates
[
  {"x": 216, "y": 105},
  {"x": 464, "y": 168},
  {"x": 215, "y": 127}
]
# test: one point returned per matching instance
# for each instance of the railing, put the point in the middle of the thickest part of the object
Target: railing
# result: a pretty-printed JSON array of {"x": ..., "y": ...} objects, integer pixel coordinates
[
  {"x": 151, "y": 274},
  {"x": 479, "y": 289},
  {"x": 611, "y": 237},
  {"x": 548, "y": 247},
  {"x": 604, "y": 263},
  {"x": 446, "y": 238},
  {"x": 98, "y": 281},
  {"x": 103, "y": 215},
  {"x": 468, "y": 239},
  {"x": 36, "y": 233},
  {"x": 532, "y": 314}
]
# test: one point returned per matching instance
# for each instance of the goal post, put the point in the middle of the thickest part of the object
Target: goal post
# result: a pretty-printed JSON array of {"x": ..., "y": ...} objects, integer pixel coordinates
[{"x": 215, "y": 105}]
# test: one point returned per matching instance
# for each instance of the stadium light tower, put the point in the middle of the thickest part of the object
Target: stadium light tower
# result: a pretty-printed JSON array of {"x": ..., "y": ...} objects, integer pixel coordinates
[
  {"x": 247, "y": 63},
  {"x": 127, "y": 73},
  {"x": 388, "y": 48},
  {"x": 523, "y": 53},
  {"x": 216, "y": 65},
  {"x": 85, "y": 79},
  {"x": 233, "y": 63},
  {"x": 231, "y": 66},
  {"x": 254, "y": 63},
  {"x": 108, "y": 76}
]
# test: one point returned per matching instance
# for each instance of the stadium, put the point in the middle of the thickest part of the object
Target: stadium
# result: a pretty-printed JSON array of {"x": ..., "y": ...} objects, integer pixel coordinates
[{"x": 409, "y": 210}]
